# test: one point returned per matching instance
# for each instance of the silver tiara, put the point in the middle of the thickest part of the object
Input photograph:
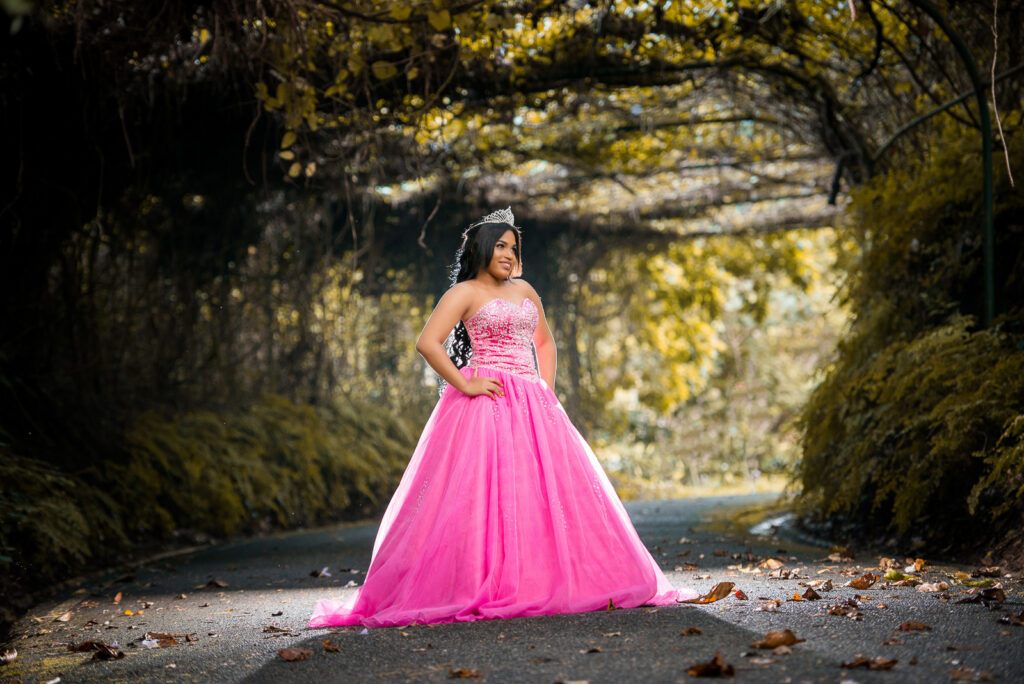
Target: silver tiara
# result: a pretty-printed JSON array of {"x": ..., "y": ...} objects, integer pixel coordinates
[{"x": 500, "y": 216}]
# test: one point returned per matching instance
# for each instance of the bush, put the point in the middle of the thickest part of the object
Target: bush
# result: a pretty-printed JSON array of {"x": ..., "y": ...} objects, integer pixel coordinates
[
  {"x": 916, "y": 428},
  {"x": 277, "y": 464}
]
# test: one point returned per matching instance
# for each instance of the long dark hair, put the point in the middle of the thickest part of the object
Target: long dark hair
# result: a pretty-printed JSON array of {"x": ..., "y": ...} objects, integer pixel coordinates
[{"x": 474, "y": 254}]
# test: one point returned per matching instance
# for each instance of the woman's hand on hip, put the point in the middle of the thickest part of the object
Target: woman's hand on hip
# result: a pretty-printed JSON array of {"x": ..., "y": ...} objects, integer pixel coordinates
[{"x": 492, "y": 387}]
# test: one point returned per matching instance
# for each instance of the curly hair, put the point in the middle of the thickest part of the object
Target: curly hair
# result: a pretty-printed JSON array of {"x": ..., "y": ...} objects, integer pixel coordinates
[{"x": 474, "y": 254}]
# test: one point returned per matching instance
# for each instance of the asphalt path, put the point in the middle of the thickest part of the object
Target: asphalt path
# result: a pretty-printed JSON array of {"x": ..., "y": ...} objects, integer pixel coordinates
[{"x": 234, "y": 606}]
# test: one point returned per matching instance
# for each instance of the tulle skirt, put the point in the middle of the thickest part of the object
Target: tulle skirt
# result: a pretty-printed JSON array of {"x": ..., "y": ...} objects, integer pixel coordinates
[{"x": 503, "y": 511}]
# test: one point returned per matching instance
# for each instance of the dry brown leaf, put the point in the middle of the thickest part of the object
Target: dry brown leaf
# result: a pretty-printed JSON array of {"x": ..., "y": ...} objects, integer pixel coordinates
[
  {"x": 331, "y": 648},
  {"x": 63, "y": 618},
  {"x": 717, "y": 593},
  {"x": 1017, "y": 620},
  {"x": 8, "y": 656},
  {"x": 811, "y": 595},
  {"x": 294, "y": 654},
  {"x": 716, "y": 667},
  {"x": 782, "y": 650},
  {"x": 273, "y": 628},
  {"x": 690, "y": 631},
  {"x": 933, "y": 587},
  {"x": 105, "y": 652},
  {"x": 863, "y": 582},
  {"x": 913, "y": 627},
  {"x": 218, "y": 584},
  {"x": 117, "y": 598},
  {"x": 464, "y": 673},
  {"x": 888, "y": 564},
  {"x": 771, "y": 563},
  {"x": 966, "y": 674},
  {"x": 779, "y": 638},
  {"x": 878, "y": 663},
  {"x": 849, "y": 607}
]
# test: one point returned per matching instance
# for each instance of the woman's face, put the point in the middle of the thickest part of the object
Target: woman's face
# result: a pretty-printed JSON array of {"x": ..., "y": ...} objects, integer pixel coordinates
[{"x": 505, "y": 257}]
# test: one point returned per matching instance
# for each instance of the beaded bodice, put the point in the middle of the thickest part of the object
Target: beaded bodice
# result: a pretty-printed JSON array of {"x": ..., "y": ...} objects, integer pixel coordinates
[{"x": 502, "y": 336}]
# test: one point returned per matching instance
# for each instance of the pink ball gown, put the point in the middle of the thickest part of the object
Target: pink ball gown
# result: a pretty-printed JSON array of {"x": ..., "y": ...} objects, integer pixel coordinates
[{"x": 503, "y": 510}]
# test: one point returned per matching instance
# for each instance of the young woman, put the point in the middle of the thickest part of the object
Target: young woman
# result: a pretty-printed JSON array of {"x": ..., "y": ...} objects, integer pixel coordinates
[{"x": 503, "y": 510}]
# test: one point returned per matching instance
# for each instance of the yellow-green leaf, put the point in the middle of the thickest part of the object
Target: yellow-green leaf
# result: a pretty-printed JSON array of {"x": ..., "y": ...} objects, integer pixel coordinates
[
  {"x": 439, "y": 20},
  {"x": 400, "y": 12},
  {"x": 287, "y": 155},
  {"x": 288, "y": 140},
  {"x": 295, "y": 169},
  {"x": 383, "y": 70}
]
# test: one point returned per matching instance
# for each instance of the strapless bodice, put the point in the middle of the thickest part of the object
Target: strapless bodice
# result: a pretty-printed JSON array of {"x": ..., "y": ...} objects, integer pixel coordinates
[{"x": 502, "y": 336}]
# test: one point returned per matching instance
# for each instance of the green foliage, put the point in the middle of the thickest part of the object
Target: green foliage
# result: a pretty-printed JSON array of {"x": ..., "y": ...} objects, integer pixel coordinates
[
  {"x": 904, "y": 440},
  {"x": 916, "y": 429},
  {"x": 51, "y": 520},
  {"x": 277, "y": 464}
]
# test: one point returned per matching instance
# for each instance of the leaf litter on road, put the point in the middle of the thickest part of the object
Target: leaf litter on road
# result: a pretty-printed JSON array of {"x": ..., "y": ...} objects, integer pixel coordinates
[
  {"x": 783, "y": 637},
  {"x": 717, "y": 593},
  {"x": 716, "y": 667},
  {"x": 294, "y": 654},
  {"x": 878, "y": 663}
]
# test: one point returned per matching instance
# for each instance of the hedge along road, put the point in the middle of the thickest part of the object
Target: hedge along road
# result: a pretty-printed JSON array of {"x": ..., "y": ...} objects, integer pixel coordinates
[{"x": 233, "y": 607}]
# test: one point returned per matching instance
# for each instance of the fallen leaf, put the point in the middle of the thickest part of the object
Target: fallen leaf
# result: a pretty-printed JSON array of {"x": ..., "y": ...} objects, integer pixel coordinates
[
  {"x": 878, "y": 663},
  {"x": 1013, "y": 619},
  {"x": 887, "y": 564},
  {"x": 779, "y": 638},
  {"x": 782, "y": 650},
  {"x": 966, "y": 674},
  {"x": 993, "y": 595},
  {"x": 117, "y": 598},
  {"x": 916, "y": 566},
  {"x": 740, "y": 595},
  {"x": 8, "y": 656},
  {"x": 892, "y": 642},
  {"x": 987, "y": 582},
  {"x": 611, "y": 634},
  {"x": 897, "y": 576},
  {"x": 690, "y": 631},
  {"x": 320, "y": 573},
  {"x": 933, "y": 586},
  {"x": 331, "y": 648},
  {"x": 849, "y": 608},
  {"x": 993, "y": 571},
  {"x": 63, "y": 618},
  {"x": 771, "y": 606},
  {"x": 771, "y": 563},
  {"x": 216, "y": 584},
  {"x": 914, "y": 627},
  {"x": 863, "y": 582},
  {"x": 293, "y": 654},
  {"x": 811, "y": 595},
  {"x": 716, "y": 667},
  {"x": 107, "y": 652},
  {"x": 717, "y": 593},
  {"x": 464, "y": 673},
  {"x": 796, "y": 597},
  {"x": 277, "y": 614},
  {"x": 595, "y": 649}
]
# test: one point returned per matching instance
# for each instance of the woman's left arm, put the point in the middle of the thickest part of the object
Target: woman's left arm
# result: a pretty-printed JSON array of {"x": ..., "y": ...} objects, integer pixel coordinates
[{"x": 547, "y": 357}]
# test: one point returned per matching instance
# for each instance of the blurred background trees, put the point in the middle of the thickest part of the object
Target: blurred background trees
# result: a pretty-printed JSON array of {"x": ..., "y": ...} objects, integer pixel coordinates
[{"x": 229, "y": 220}]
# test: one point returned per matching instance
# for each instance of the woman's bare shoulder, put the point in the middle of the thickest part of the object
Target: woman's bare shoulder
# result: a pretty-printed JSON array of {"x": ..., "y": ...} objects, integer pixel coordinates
[{"x": 525, "y": 288}]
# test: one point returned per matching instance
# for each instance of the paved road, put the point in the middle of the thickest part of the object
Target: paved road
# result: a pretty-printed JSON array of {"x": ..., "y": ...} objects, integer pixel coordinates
[{"x": 267, "y": 586}]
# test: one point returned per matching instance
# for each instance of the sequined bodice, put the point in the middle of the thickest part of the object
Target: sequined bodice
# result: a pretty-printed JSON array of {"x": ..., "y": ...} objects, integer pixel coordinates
[{"x": 502, "y": 336}]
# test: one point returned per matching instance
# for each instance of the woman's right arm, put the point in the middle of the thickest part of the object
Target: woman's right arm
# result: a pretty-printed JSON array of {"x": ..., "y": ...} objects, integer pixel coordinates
[{"x": 449, "y": 311}]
